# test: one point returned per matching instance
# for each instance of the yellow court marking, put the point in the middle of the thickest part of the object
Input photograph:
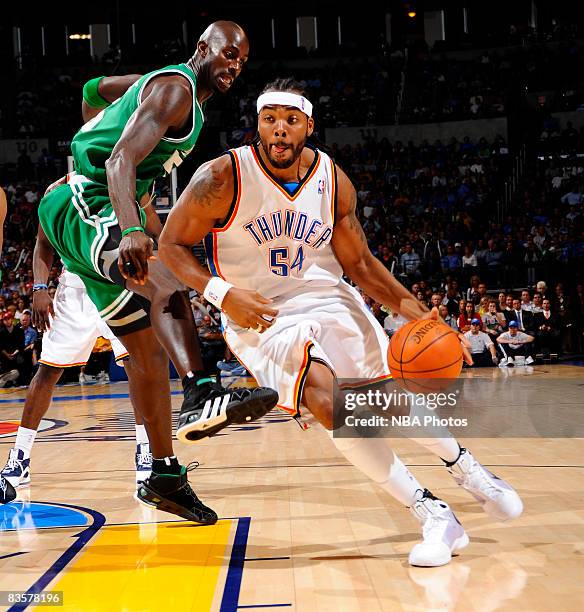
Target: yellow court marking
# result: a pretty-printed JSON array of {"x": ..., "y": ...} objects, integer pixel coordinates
[{"x": 151, "y": 566}]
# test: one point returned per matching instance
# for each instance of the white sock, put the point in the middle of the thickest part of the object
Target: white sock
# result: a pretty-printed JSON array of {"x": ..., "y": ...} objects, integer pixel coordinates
[
  {"x": 439, "y": 440},
  {"x": 378, "y": 461},
  {"x": 24, "y": 440},
  {"x": 141, "y": 435}
]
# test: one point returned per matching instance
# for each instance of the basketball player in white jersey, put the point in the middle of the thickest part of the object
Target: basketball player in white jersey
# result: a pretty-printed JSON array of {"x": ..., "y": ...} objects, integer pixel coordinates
[
  {"x": 71, "y": 324},
  {"x": 282, "y": 231}
]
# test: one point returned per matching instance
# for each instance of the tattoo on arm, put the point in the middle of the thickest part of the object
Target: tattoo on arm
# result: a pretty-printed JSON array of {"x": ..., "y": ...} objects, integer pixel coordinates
[
  {"x": 354, "y": 224},
  {"x": 206, "y": 189}
]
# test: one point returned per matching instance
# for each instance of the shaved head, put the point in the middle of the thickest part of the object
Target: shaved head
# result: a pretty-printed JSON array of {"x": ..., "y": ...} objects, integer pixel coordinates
[
  {"x": 222, "y": 52},
  {"x": 219, "y": 31}
]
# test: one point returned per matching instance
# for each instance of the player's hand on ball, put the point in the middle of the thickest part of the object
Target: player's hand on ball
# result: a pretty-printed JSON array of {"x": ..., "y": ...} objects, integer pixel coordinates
[
  {"x": 136, "y": 249},
  {"x": 249, "y": 309},
  {"x": 42, "y": 306},
  {"x": 432, "y": 314}
]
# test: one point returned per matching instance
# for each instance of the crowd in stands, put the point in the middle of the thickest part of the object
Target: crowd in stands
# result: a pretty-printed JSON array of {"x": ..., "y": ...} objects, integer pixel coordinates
[
  {"x": 359, "y": 90},
  {"x": 441, "y": 88},
  {"x": 428, "y": 212},
  {"x": 540, "y": 324}
]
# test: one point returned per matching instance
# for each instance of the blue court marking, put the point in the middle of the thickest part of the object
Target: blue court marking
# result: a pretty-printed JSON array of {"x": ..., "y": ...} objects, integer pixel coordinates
[
  {"x": 16, "y": 554},
  {"x": 265, "y": 559},
  {"x": 289, "y": 605},
  {"x": 230, "y": 600},
  {"x": 76, "y": 398},
  {"x": 19, "y": 516},
  {"x": 81, "y": 540}
]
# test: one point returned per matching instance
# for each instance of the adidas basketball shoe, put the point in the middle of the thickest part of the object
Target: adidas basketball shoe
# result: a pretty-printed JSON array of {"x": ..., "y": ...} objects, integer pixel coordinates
[
  {"x": 441, "y": 532},
  {"x": 173, "y": 494},
  {"x": 208, "y": 408},
  {"x": 7, "y": 491},
  {"x": 497, "y": 497},
  {"x": 17, "y": 468}
]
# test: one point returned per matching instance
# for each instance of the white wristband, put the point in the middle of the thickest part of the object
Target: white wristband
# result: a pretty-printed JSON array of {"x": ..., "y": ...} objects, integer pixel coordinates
[{"x": 215, "y": 291}]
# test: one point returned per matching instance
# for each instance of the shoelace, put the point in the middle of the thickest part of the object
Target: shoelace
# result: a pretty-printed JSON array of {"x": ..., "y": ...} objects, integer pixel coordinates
[
  {"x": 193, "y": 465},
  {"x": 3, "y": 485},
  {"x": 432, "y": 522},
  {"x": 476, "y": 471},
  {"x": 13, "y": 462}
]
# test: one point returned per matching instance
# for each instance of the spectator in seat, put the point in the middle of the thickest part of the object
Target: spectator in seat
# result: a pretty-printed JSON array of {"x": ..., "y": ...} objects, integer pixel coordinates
[
  {"x": 29, "y": 353},
  {"x": 435, "y": 300},
  {"x": 547, "y": 330},
  {"x": 449, "y": 319},
  {"x": 410, "y": 262},
  {"x": 11, "y": 345},
  {"x": 513, "y": 343},
  {"x": 466, "y": 317},
  {"x": 526, "y": 303},
  {"x": 451, "y": 300},
  {"x": 393, "y": 322},
  {"x": 493, "y": 321},
  {"x": 508, "y": 312},
  {"x": 481, "y": 293},
  {"x": 502, "y": 301},
  {"x": 473, "y": 290},
  {"x": 469, "y": 260},
  {"x": 483, "y": 351},
  {"x": 523, "y": 317},
  {"x": 541, "y": 288},
  {"x": 483, "y": 306},
  {"x": 536, "y": 305}
]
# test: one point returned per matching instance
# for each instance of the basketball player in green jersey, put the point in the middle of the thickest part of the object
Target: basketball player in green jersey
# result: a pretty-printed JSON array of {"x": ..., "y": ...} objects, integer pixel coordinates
[{"x": 97, "y": 229}]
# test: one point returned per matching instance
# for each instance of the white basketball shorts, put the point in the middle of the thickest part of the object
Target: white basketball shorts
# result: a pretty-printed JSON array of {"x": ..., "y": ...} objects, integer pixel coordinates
[
  {"x": 331, "y": 325},
  {"x": 75, "y": 327}
]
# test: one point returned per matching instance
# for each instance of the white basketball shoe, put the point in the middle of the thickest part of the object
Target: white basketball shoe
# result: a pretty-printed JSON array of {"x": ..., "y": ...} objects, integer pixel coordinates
[
  {"x": 497, "y": 497},
  {"x": 441, "y": 532}
]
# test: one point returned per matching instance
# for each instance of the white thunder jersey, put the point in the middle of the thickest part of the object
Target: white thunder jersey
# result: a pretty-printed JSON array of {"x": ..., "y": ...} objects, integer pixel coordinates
[
  {"x": 274, "y": 241},
  {"x": 278, "y": 243}
]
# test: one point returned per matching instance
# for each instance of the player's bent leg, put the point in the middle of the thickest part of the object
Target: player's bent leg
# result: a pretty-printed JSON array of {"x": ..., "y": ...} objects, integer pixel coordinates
[
  {"x": 36, "y": 405},
  {"x": 443, "y": 534},
  {"x": 167, "y": 487},
  {"x": 207, "y": 407}
]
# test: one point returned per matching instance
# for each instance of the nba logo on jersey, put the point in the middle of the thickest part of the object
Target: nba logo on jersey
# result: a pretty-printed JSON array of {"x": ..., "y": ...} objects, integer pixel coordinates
[{"x": 321, "y": 186}]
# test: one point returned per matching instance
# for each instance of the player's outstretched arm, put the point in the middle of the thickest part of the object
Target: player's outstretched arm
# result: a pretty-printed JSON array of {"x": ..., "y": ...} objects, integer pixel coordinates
[
  {"x": 42, "y": 260},
  {"x": 167, "y": 104},
  {"x": 206, "y": 201},
  {"x": 360, "y": 265}
]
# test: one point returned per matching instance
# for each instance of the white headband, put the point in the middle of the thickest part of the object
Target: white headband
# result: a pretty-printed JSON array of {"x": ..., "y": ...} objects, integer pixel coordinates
[{"x": 285, "y": 98}]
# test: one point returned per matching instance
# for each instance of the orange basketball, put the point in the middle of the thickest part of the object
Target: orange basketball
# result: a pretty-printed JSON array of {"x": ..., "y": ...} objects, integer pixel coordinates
[{"x": 425, "y": 349}]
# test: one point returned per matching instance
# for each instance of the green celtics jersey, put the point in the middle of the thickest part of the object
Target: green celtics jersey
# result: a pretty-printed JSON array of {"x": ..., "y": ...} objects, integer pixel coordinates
[{"x": 93, "y": 144}]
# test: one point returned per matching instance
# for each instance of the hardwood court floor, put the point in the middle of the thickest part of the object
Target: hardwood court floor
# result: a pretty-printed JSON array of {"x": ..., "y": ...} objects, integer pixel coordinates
[{"x": 300, "y": 528}]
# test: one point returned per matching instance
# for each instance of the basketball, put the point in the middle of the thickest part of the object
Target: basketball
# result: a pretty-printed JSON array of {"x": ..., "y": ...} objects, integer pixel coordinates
[{"x": 425, "y": 349}]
